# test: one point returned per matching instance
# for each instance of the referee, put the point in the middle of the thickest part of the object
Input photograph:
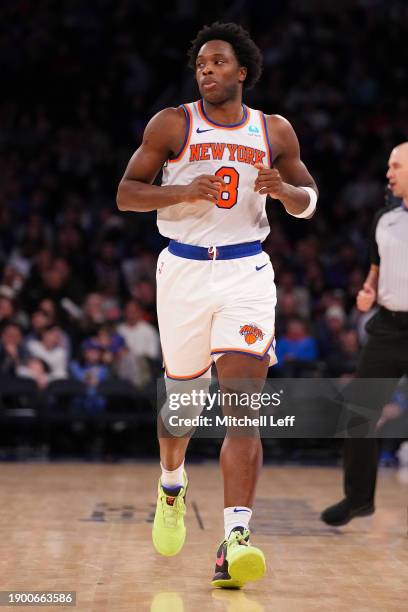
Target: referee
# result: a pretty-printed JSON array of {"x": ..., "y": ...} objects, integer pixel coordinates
[{"x": 386, "y": 353}]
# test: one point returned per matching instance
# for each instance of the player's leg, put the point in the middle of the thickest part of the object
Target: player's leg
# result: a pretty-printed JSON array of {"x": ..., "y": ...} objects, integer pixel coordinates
[
  {"x": 173, "y": 445},
  {"x": 241, "y": 461},
  {"x": 241, "y": 455},
  {"x": 168, "y": 529},
  {"x": 184, "y": 323},
  {"x": 242, "y": 342}
]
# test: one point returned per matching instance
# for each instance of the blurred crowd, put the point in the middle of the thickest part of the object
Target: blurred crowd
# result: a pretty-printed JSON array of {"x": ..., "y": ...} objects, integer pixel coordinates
[{"x": 81, "y": 80}]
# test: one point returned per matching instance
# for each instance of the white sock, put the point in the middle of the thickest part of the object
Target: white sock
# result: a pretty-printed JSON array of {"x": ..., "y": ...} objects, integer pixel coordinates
[
  {"x": 236, "y": 516},
  {"x": 172, "y": 478}
]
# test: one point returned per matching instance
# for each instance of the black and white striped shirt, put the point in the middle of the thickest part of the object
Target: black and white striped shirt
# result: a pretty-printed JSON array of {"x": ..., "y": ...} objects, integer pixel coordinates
[{"x": 389, "y": 251}]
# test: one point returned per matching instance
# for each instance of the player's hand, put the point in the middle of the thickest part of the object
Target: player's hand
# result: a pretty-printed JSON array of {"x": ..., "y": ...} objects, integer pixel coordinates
[
  {"x": 269, "y": 182},
  {"x": 366, "y": 298},
  {"x": 205, "y": 187}
]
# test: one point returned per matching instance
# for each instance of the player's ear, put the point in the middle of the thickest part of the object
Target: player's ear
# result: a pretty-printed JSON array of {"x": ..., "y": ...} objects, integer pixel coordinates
[{"x": 242, "y": 74}]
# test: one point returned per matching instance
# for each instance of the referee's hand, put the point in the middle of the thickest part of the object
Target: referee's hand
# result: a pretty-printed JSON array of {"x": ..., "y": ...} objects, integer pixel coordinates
[{"x": 366, "y": 298}]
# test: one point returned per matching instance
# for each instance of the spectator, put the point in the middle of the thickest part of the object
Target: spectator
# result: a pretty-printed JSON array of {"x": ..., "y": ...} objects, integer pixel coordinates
[
  {"x": 132, "y": 368},
  {"x": 15, "y": 274},
  {"x": 40, "y": 262},
  {"x": 355, "y": 282},
  {"x": 141, "y": 265},
  {"x": 314, "y": 281},
  {"x": 286, "y": 284},
  {"x": 144, "y": 292},
  {"x": 55, "y": 283},
  {"x": 70, "y": 245},
  {"x": 37, "y": 370},
  {"x": 141, "y": 337},
  {"x": 6, "y": 306},
  {"x": 110, "y": 344},
  {"x": 107, "y": 270},
  {"x": 343, "y": 362},
  {"x": 49, "y": 309},
  {"x": 338, "y": 272},
  {"x": 362, "y": 190},
  {"x": 285, "y": 311},
  {"x": 93, "y": 315},
  {"x": 43, "y": 318},
  {"x": 9, "y": 313},
  {"x": 90, "y": 370},
  {"x": 50, "y": 349},
  {"x": 32, "y": 236},
  {"x": 111, "y": 302},
  {"x": 330, "y": 328},
  {"x": 120, "y": 361},
  {"x": 297, "y": 345},
  {"x": 12, "y": 352},
  {"x": 39, "y": 322}
]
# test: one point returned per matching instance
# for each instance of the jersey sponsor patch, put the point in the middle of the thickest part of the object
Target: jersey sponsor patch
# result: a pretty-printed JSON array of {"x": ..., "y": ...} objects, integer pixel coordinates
[{"x": 253, "y": 131}]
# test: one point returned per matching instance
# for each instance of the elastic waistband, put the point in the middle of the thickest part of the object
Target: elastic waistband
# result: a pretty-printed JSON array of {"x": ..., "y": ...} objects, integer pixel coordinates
[{"x": 230, "y": 251}]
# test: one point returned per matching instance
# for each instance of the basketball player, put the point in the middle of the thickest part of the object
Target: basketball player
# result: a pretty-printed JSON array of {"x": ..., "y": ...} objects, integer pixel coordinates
[{"x": 216, "y": 294}]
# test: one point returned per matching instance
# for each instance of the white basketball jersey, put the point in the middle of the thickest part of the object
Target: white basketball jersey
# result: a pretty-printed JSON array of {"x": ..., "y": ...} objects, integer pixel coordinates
[{"x": 229, "y": 152}]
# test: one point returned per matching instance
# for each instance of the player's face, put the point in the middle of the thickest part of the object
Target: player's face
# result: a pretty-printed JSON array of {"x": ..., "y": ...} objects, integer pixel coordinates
[
  {"x": 397, "y": 174},
  {"x": 218, "y": 73}
]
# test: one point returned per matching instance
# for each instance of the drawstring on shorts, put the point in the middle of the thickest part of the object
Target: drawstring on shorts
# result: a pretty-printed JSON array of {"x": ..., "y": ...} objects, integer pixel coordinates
[{"x": 212, "y": 254}]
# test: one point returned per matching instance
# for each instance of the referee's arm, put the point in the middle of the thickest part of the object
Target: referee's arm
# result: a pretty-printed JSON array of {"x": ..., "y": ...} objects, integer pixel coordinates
[{"x": 367, "y": 296}]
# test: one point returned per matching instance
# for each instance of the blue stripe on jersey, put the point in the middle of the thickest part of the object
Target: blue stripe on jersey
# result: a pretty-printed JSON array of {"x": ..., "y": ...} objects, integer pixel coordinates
[
  {"x": 187, "y": 114},
  {"x": 267, "y": 138}
]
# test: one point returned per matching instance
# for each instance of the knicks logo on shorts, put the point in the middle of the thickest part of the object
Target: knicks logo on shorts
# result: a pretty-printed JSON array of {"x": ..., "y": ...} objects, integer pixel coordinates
[{"x": 251, "y": 332}]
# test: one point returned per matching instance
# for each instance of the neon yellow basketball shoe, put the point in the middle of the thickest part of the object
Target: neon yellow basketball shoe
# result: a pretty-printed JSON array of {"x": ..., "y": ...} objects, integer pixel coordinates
[
  {"x": 169, "y": 531},
  {"x": 237, "y": 561}
]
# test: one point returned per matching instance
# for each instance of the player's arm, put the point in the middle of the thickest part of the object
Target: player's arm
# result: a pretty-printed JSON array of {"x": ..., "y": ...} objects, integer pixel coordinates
[
  {"x": 289, "y": 180},
  {"x": 163, "y": 137}
]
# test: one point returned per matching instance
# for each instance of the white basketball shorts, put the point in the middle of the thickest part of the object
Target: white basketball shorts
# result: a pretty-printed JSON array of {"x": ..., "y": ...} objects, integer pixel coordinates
[{"x": 210, "y": 307}]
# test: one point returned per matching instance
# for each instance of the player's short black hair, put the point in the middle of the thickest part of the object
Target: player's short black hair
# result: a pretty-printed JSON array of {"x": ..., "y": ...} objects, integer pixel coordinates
[{"x": 246, "y": 51}]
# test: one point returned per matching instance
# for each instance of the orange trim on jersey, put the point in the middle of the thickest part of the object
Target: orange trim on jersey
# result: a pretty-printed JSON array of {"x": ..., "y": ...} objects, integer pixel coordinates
[
  {"x": 187, "y": 137},
  {"x": 266, "y": 138},
  {"x": 242, "y": 350},
  {"x": 196, "y": 375},
  {"x": 218, "y": 125}
]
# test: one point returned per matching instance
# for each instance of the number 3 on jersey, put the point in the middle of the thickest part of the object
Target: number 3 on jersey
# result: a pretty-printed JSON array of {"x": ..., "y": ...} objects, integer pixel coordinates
[{"x": 229, "y": 197}]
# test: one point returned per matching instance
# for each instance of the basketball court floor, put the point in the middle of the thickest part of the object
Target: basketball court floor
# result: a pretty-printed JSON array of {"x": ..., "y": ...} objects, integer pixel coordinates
[{"x": 86, "y": 528}]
